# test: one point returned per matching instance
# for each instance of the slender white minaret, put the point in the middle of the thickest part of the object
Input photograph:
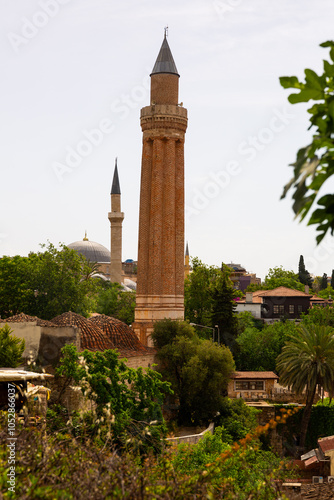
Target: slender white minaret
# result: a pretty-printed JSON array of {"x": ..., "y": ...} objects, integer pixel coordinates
[{"x": 116, "y": 220}]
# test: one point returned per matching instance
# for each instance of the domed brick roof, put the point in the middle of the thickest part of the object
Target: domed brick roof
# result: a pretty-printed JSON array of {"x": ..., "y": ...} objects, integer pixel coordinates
[
  {"x": 94, "y": 252},
  {"x": 92, "y": 337},
  {"x": 25, "y": 318},
  {"x": 122, "y": 337}
]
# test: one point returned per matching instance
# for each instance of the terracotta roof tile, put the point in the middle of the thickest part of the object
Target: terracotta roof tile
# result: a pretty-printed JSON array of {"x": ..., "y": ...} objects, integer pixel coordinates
[
  {"x": 122, "y": 337},
  {"x": 283, "y": 291},
  {"x": 254, "y": 375},
  {"x": 92, "y": 337},
  {"x": 326, "y": 443},
  {"x": 25, "y": 318}
]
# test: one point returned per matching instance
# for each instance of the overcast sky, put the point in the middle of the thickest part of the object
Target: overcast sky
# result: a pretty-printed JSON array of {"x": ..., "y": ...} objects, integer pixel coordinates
[{"x": 75, "y": 74}]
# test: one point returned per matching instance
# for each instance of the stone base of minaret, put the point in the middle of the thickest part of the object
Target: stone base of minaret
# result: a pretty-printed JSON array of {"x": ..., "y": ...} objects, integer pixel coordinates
[{"x": 152, "y": 308}]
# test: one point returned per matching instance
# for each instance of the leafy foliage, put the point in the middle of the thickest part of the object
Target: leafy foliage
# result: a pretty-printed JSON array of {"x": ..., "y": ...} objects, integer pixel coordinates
[
  {"x": 236, "y": 419},
  {"x": 322, "y": 316},
  {"x": 197, "y": 369},
  {"x": 57, "y": 466},
  {"x": 258, "y": 350},
  {"x": 209, "y": 300},
  {"x": 197, "y": 293},
  {"x": 223, "y": 307},
  {"x": 11, "y": 348},
  {"x": 46, "y": 284},
  {"x": 277, "y": 276},
  {"x": 112, "y": 301},
  {"x": 133, "y": 396},
  {"x": 314, "y": 164},
  {"x": 307, "y": 362},
  {"x": 303, "y": 275}
]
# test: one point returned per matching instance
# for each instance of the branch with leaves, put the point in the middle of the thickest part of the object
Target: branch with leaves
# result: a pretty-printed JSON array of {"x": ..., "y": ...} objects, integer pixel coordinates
[{"x": 315, "y": 162}]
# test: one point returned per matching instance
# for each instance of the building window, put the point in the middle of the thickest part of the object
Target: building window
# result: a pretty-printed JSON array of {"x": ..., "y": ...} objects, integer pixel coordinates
[
  {"x": 300, "y": 309},
  {"x": 291, "y": 309},
  {"x": 275, "y": 309},
  {"x": 278, "y": 309},
  {"x": 249, "y": 385}
]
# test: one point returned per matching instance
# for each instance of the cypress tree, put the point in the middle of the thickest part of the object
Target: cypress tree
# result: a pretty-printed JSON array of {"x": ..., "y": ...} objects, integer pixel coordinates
[
  {"x": 303, "y": 275},
  {"x": 323, "y": 284}
]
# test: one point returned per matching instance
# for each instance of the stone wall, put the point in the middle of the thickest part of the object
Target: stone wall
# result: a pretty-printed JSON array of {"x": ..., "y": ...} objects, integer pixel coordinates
[
  {"x": 145, "y": 361},
  {"x": 44, "y": 341},
  {"x": 191, "y": 438}
]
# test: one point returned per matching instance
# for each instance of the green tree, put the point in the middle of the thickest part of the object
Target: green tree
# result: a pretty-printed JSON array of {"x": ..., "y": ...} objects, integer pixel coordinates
[
  {"x": 112, "y": 301},
  {"x": 322, "y": 316},
  {"x": 303, "y": 275},
  {"x": 11, "y": 348},
  {"x": 197, "y": 369},
  {"x": 236, "y": 418},
  {"x": 223, "y": 307},
  {"x": 327, "y": 293},
  {"x": 307, "y": 363},
  {"x": 323, "y": 284},
  {"x": 209, "y": 300},
  {"x": 197, "y": 293},
  {"x": 134, "y": 396},
  {"x": 314, "y": 164},
  {"x": 277, "y": 276},
  {"x": 258, "y": 350},
  {"x": 14, "y": 289},
  {"x": 47, "y": 283}
]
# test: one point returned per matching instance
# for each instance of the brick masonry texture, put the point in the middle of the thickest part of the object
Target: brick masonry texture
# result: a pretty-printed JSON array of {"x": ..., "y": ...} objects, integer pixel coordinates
[
  {"x": 161, "y": 220},
  {"x": 164, "y": 89}
]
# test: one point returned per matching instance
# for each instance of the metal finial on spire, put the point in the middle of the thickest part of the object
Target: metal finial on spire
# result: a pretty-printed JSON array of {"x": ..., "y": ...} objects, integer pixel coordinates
[
  {"x": 85, "y": 238},
  {"x": 166, "y": 31}
]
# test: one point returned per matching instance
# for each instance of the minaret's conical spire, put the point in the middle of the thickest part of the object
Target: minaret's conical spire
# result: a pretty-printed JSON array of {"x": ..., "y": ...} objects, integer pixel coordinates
[
  {"x": 187, "y": 250},
  {"x": 165, "y": 61},
  {"x": 115, "y": 188}
]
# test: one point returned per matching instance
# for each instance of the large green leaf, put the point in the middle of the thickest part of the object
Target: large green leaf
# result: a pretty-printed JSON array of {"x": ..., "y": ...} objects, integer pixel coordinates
[
  {"x": 288, "y": 82},
  {"x": 313, "y": 80},
  {"x": 305, "y": 95}
]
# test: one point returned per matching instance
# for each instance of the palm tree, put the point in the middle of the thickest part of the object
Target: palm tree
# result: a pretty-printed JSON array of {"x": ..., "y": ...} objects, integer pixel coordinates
[{"x": 307, "y": 363}]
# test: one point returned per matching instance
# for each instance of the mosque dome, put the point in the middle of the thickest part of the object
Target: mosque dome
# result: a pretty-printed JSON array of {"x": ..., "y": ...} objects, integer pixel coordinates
[{"x": 94, "y": 252}]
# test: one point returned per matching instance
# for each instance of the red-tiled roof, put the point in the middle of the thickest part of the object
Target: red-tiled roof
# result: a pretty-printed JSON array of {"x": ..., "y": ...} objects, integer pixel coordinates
[
  {"x": 122, "y": 337},
  {"x": 254, "y": 375},
  {"x": 25, "y": 318},
  {"x": 326, "y": 443},
  {"x": 283, "y": 291},
  {"x": 92, "y": 337}
]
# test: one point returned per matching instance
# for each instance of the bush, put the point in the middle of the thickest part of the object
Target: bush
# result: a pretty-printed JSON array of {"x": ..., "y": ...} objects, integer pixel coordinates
[{"x": 11, "y": 348}]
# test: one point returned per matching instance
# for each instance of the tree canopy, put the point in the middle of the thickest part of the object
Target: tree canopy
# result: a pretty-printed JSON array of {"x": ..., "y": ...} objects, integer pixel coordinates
[
  {"x": 277, "y": 276},
  {"x": 58, "y": 280},
  {"x": 133, "y": 396},
  {"x": 314, "y": 164},
  {"x": 307, "y": 363},
  {"x": 45, "y": 284},
  {"x": 11, "y": 348},
  {"x": 197, "y": 369},
  {"x": 303, "y": 275},
  {"x": 257, "y": 350},
  {"x": 209, "y": 300}
]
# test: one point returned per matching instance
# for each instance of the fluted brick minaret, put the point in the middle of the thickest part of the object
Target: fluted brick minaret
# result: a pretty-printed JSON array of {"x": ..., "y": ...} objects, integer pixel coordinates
[
  {"x": 160, "y": 278},
  {"x": 116, "y": 220}
]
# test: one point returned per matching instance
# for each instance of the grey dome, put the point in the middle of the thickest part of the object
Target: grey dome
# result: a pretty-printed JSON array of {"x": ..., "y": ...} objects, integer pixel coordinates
[{"x": 94, "y": 252}]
